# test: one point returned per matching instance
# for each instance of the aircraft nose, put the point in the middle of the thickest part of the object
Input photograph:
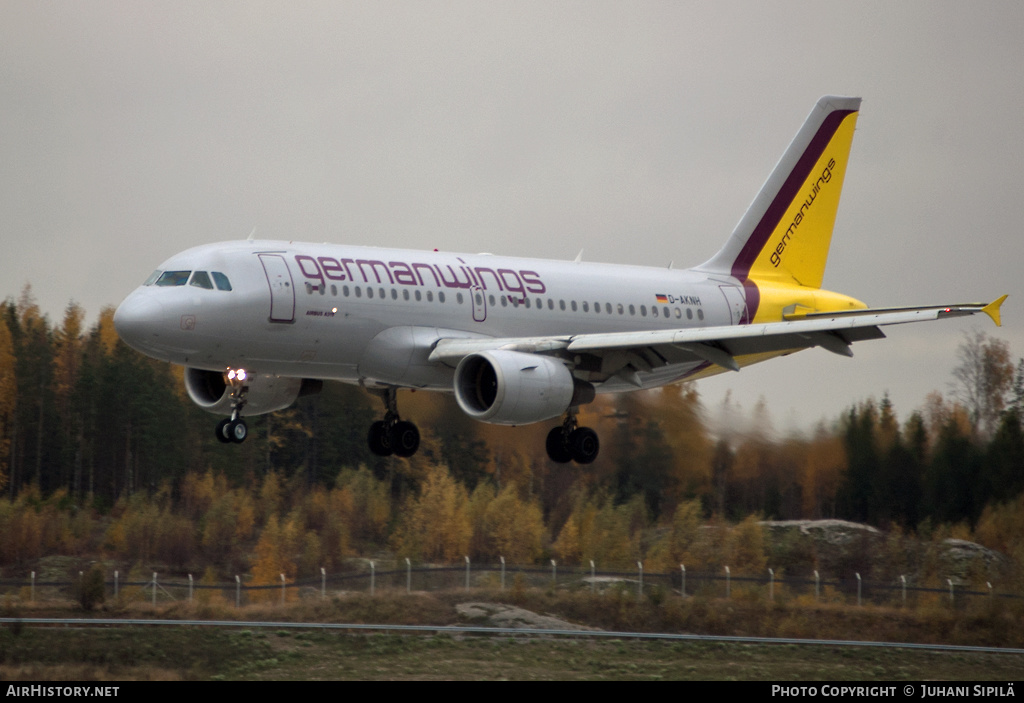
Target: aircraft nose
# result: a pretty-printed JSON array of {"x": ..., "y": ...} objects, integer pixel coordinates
[{"x": 137, "y": 319}]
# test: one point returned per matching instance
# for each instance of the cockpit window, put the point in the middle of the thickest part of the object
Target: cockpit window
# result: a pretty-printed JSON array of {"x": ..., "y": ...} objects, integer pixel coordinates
[
  {"x": 221, "y": 280},
  {"x": 173, "y": 278},
  {"x": 152, "y": 278},
  {"x": 201, "y": 279}
]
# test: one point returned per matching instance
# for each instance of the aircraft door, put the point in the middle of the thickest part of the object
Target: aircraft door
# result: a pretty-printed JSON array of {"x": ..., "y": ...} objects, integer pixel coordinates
[
  {"x": 282, "y": 288},
  {"x": 737, "y": 303},
  {"x": 479, "y": 304}
]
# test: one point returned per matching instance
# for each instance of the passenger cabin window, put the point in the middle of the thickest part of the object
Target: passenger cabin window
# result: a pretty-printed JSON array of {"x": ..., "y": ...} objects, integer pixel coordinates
[
  {"x": 201, "y": 279},
  {"x": 173, "y": 278}
]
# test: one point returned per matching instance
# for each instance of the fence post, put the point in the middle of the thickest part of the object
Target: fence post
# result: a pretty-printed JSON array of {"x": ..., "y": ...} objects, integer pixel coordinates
[
  {"x": 683, "y": 569},
  {"x": 408, "y": 576},
  {"x": 502, "y": 573},
  {"x": 728, "y": 584},
  {"x": 903, "y": 586},
  {"x": 190, "y": 589},
  {"x": 771, "y": 585},
  {"x": 323, "y": 583},
  {"x": 33, "y": 598},
  {"x": 858, "y": 588},
  {"x": 238, "y": 591},
  {"x": 950, "y": 582},
  {"x": 154, "y": 588},
  {"x": 554, "y": 573},
  {"x": 593, "y": 579},
  {"x": 373, "y": 578},
  {"x": 467, "y": 573},
  {"x": 640, "y": 587},
  {"x": 115, "y": 584},
  {"x": 817, "y": 586},
  {"x": 282, "y": 589}
]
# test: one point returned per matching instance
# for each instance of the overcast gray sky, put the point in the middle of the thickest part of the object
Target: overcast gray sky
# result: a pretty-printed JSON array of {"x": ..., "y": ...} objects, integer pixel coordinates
[{"x": 636, "y": 131}]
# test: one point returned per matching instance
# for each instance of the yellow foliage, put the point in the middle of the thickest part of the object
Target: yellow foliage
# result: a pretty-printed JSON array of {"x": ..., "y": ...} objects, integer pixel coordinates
[
  {"x": 67, "y": 356},
  {"x": 675, "y": 547},
  {"x": 602, "y": 532},
  {"x": 270, "y": 496},
  {"x": 746, "y": 547},
  {"x": 273, "y": 558},
  {"x": 133, "y": 535},
  {"x": 209, "y": 596},
  {"x": 245, "y": 516},
  {"x": 198, "y": 491},
  {"x": 436, "y": 525},
  {"x": 109, "y": 338},
  {"x": 8, "y": 397},
  {"x": 479, "y": 501},
  {"x": 567, "y": 545},
  {"x": 514, "y": 528},
  {"x": 824, "y": 464}
]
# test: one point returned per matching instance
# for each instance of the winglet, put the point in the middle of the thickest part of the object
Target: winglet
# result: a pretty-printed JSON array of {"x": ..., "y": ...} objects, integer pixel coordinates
[{"x": 992, "y": 310}]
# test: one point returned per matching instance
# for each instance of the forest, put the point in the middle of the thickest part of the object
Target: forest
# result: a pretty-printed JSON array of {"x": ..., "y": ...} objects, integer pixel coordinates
[{"x": 101, "y": 451}]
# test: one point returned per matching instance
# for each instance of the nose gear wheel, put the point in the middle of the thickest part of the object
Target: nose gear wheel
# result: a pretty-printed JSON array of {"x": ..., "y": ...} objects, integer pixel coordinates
[{"x": 233, "y": 429}]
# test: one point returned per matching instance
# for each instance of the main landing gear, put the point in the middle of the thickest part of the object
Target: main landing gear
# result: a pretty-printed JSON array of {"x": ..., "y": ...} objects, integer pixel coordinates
[
  {"x": 234, "y": 429},
  {"x": 392, "y": 435},
  {"x": 572, "y": 443}
]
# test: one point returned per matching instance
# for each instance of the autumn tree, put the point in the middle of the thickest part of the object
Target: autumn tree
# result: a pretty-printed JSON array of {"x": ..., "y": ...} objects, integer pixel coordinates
[
  {"x": 514, "y": 527},
  {"x": 436, "y": 524},
  {"x": 602, "y": 531},
  {"x": 67, "y": 363},
  {"x": 274, "y": 552},
  {"x": 823, "y": 467},
  {"x": 8, "y": 399},
  {"x": 675, "y": 547},
  {"x": 982, "y": 379}
]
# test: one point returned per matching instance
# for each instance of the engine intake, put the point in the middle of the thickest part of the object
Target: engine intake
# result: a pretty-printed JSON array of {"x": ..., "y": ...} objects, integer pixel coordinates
[
  {"x": 265, "y": 394},
  {"x": 516, "y": 388}
]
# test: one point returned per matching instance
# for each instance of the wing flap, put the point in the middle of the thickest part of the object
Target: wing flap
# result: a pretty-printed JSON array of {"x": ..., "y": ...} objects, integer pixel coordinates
[{"x": 721, "y": 345}]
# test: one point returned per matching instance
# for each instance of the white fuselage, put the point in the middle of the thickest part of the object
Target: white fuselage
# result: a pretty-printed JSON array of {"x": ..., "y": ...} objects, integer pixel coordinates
[{"x": 364, "y": 314}]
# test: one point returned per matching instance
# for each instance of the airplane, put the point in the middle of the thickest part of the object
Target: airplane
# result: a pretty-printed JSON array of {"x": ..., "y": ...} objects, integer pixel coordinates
[{"x": 257, "y": 324}]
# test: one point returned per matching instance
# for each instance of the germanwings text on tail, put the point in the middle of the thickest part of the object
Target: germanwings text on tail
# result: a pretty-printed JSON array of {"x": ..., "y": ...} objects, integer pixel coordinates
[{"x": 259, "y": 323}]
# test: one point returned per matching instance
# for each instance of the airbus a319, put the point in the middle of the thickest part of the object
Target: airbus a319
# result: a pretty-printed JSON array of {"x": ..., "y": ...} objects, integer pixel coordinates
[{"x": 258, "y": 324}]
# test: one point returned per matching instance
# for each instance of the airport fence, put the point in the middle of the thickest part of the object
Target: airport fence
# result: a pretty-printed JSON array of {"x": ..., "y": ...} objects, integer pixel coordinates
[{"x": 379, "y": 578}]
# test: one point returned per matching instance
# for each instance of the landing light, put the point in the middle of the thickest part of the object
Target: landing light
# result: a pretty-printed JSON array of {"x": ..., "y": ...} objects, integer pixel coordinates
[{"x": 236, "y": 374}]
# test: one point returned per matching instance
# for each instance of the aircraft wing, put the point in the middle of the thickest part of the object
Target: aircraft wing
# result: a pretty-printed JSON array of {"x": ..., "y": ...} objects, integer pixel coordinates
[{"x": 645, "y": 351}]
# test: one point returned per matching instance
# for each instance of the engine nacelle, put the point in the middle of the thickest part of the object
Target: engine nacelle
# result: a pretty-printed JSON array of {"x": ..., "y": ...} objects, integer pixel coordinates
[
  {"x": 516, "y": 388},
  {"x": 209, "y": 390}
]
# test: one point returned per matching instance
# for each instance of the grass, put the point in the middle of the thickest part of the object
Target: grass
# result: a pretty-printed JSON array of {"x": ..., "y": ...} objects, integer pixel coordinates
[
  {"x": 199, "y": 653},
  {"x": 205, "y": 654}
]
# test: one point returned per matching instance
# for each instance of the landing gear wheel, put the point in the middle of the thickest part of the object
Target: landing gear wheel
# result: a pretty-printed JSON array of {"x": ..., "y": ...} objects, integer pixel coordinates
[
  {"x": 233, "y": 429},
  {"x": 392, "y": 435},
  {"x": 405, "y": 439},
  {"x": 379, "y": 439},
  {"x": 237, "y": 431},
  {"x": 584, "y": 445},
  {"x": 558, "y": 452},
  {"x": 222, "y": 431}
]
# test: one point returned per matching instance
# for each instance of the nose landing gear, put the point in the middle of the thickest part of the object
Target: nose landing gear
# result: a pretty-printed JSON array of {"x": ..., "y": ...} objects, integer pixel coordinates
[
  {"x": 234, "y": 429},
  {"x": 392, "y": 435},
  {"x": 572, "y": 443}
]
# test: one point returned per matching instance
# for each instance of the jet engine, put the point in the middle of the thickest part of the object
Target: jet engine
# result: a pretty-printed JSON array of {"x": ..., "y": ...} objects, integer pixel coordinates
[
  {"x": 516, "y": 388},
  {"x": 264, "y": 393}
]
